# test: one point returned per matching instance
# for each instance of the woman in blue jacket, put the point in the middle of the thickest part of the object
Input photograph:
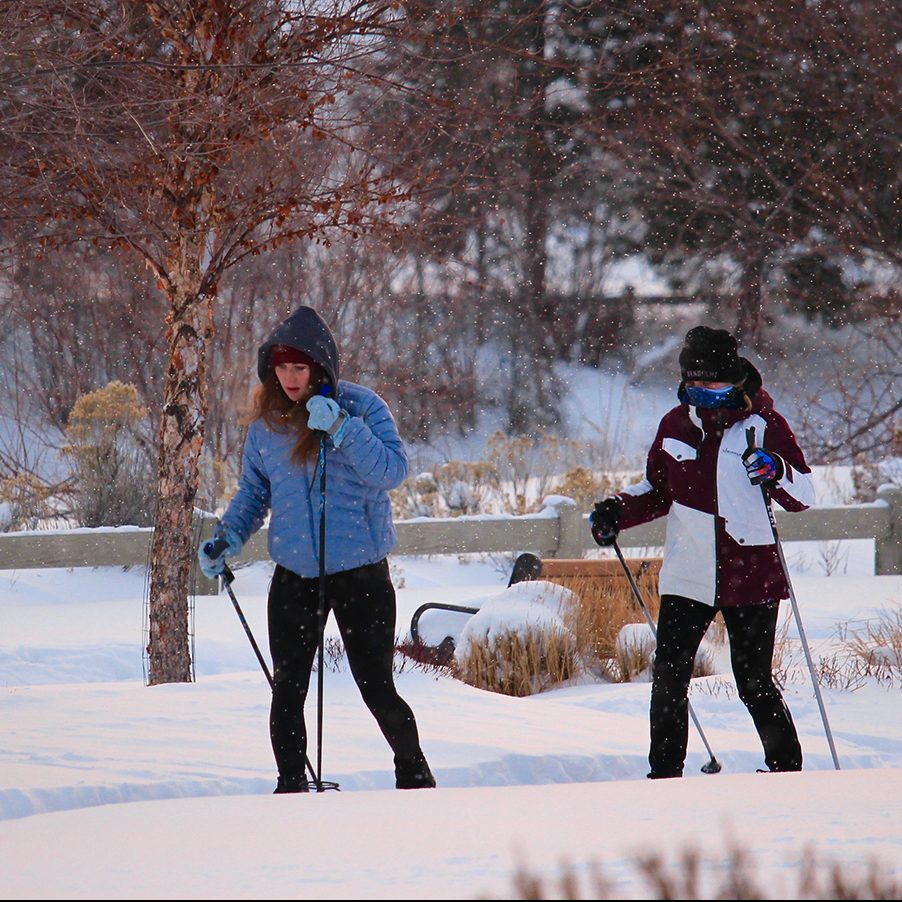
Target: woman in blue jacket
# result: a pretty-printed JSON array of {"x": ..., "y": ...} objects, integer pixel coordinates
[{"x": 299, "y": 398}]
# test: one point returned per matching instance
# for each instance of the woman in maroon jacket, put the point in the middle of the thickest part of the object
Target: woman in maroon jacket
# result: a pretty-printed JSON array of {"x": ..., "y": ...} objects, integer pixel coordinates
[{"x": 704, "y": 471}]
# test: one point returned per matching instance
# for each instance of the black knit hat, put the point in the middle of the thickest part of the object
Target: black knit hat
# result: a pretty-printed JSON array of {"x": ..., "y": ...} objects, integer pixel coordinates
[{"x": 711, "y": 355}]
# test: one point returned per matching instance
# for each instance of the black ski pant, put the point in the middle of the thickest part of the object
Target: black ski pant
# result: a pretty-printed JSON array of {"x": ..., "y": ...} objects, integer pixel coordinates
[
  {"x": 363, "y": 603},
  {"x": 751, "y": 630}
]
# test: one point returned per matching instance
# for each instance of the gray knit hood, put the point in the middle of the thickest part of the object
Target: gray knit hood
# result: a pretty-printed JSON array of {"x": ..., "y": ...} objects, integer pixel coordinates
[{"x": 306, "y": 331}]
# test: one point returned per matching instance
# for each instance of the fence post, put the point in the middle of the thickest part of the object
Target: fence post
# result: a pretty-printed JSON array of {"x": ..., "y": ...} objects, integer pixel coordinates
[
  {"x": 571, "y": 526},
  {"x": 888, "y": 548},
  {"x": 203, "y": 529}
]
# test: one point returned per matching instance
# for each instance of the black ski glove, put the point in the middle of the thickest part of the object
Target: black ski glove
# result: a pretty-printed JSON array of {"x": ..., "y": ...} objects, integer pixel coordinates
[{"x": 605, "y": 521}]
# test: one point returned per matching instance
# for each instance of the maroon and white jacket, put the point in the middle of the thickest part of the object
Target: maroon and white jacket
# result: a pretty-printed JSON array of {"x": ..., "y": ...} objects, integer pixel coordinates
[{"x": 720, "y": 547}]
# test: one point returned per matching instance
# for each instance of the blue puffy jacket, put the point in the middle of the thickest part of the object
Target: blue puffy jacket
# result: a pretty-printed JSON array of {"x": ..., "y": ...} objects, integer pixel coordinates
[{"x": 359, "y": 530}]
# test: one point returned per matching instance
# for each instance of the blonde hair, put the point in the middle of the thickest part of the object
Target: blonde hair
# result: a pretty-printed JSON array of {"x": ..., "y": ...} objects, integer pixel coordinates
[{"x": 746, "y": 400}]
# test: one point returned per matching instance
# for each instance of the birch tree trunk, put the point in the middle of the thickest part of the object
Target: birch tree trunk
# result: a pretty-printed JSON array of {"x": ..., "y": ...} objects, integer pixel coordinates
[{"x": 181, "y": 444}]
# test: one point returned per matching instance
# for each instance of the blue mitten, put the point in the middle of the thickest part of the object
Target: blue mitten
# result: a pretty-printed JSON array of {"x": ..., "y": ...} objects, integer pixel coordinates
[
  {"x": 327, "y": 416},
  {"x": 212, "y": 553},
  {"x": 763, "y": 467}
]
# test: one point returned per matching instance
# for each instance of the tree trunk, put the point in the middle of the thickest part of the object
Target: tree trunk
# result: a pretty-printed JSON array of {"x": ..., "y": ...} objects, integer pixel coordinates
[
  {"x": 532, "y": 379},
  {"x": 750, "y": 313},
  {"x": 181, "y": 444}
]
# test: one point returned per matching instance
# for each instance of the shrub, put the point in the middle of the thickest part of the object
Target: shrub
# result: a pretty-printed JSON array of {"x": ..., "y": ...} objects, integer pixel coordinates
[
  {"x": 584, "y": 486},
  {"x": 603, "y": 617},
  {"x": 438, "y": 660},
  {"x": 24, "y": 502},
  {"x": 417, "y": 497},
  {"x": 784, "y": 660},
  {"x": 600, "y": 628},
  {"x": 114, "y": 479},
  {"x": 519, "y": 663},
  {"x": 524, "y": 472},
  {"x": 466, "y": 488},
  {"x": 519, "y": 472},
  {"x": 634, "y": 653}
]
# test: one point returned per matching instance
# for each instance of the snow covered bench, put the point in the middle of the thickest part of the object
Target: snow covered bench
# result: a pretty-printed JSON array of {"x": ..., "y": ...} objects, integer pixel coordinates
[{"x": 589, "y": 578}]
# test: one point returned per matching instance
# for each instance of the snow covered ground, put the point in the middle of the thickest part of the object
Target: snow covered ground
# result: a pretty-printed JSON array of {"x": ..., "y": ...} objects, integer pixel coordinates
[{"x": 112, "y": 789}]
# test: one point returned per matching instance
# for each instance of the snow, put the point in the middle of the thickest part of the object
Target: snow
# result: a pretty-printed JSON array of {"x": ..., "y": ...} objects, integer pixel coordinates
[
  {"x": 535, "y": 605},
  {"x": 113, "y": 789}
]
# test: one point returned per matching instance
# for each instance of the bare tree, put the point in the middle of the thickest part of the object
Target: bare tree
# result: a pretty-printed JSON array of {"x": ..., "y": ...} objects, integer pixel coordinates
[
  {"x": 90, "y": 318},
  {"x": 191, "y": 135},
  {"x": 859, "y": 418},
  {"x": 756, "y": 129},
  {"x": 491, "y": 207}
]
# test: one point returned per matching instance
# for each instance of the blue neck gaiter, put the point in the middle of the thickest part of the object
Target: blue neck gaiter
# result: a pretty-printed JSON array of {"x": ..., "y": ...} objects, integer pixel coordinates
[{"x": 729, "y": 398}]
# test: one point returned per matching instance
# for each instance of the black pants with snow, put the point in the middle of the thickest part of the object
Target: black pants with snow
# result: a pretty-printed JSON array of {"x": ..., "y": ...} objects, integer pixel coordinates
[
  {"x": 363, "y": 603},
  {"x": 751, "y": 629}
]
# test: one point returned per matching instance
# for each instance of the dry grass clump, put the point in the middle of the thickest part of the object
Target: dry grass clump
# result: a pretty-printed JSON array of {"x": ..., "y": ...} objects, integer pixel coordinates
[
  {"x": 717, "y": 631},
  {"x": 519, "y": 663},
  {"x": 605, "y": 609},
  {"x": 872, "y": 653},
  {"x": 634, "y": 653},
  {"x": 597, "y": 639},
  {"x": 466, "y": 488},
  {"x": 524, "y": 662},
  {"x": 783, "y": 661},
  {"x": 692, "y": 877},
  {"x": 878, "y": 649},
  {"x": 606, "y": 605},
  {"x": 597, "y": 636},
  {"x": 632, "y": 656}
]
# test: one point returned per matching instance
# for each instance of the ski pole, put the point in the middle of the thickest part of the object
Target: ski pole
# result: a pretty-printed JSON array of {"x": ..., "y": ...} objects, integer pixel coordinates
[
  {"x": 750, "y": 442},
  {"x": 709, "y": 767},
  {"x": 320, "y": 785},
  {"x": 213, "y": 548}
]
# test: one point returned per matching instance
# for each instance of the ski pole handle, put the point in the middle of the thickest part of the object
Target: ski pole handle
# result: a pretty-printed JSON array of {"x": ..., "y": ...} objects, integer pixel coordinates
[
  {"x": 751, "y": 445},
  {"x": 750, "y": 438},
  {"x": 750, "y": 441},
  {"x": 215, "y": 547}
]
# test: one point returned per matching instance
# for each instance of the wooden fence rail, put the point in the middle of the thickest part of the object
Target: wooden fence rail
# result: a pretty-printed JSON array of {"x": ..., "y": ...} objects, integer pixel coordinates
[{"x": 560, "y": 530}]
